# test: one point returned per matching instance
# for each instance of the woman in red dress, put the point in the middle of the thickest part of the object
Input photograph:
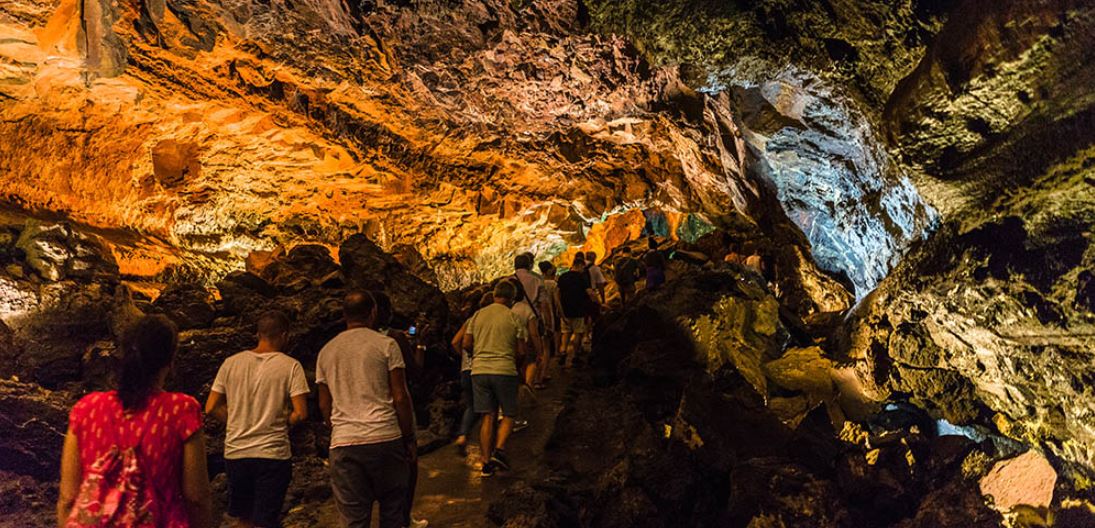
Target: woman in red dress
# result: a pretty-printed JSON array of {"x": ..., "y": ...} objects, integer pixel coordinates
[{"x": 164, "y": 430}]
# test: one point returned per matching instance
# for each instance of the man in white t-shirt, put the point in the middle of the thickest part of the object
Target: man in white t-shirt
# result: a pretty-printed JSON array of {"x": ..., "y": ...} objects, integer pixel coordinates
[
  {"x": 252, "y": 394},
  {"x": 596, "y": 276},
  {"x": 364, "y": 399}
]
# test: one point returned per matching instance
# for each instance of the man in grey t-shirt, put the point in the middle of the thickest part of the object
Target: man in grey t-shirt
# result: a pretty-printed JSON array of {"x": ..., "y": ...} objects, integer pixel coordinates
[
  {"x": 252, "y": 394},
  {"x": 364, "y": 399}
]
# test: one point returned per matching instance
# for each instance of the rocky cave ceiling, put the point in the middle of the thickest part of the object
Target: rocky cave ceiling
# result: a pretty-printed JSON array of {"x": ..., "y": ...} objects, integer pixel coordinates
[{"x": 939, "y": 151}]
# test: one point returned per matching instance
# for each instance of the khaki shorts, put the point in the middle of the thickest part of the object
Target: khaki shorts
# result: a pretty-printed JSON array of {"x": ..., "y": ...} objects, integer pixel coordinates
[{"x": 574, "y": 325}]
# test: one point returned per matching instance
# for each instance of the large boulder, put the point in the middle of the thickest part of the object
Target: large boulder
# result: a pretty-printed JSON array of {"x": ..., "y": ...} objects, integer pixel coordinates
[
  {"x": 367, "y": 266},
  {"x": 32, "y": 426},
  {"x": 188, "y": 305}
]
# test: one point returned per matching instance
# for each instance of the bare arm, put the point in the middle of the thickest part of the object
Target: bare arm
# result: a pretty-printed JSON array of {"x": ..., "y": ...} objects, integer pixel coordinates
[
  {"x": 458, "y": 339},
  {"x": 522, "y": 350},
  {"x": 300, "y": 409},
  {"x": 217, "y": 406},
  {"x": 325, "y": 402},
  {"x": 534, "y": 336},
  {"x": 404, "y": 409},
  {"x": 469, "y": 343},
  {"x": 199, "y": 501},
  {"x": 71, "y": 475}
]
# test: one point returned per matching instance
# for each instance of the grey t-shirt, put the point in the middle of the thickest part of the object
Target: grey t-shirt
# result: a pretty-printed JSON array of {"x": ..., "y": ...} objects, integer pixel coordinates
[
  {"x": 257, "y": 388},
  {"x": 495, "y": 331},
  {"x": 355, "y": 366}
]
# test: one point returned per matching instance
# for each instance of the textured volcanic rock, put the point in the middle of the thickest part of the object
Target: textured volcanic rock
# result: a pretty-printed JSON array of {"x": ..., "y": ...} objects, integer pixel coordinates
[
  {"x": 33, "y": 427},
  {"x": 808, "y": 80},
  {"x": 987, "y": 320},
  {"x": 697, "y": 440},
  {"x": 464, "y": 130},
  {"x": 57, "y": 292}
]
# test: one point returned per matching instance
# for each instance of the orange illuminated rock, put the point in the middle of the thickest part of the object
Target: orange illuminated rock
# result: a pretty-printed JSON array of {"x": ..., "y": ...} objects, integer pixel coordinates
[{"x": 1026, "y": 480}]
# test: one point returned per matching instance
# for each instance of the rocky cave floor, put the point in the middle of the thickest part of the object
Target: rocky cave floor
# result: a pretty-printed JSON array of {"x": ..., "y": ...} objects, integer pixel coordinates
[{"x": 705, "y": 403}]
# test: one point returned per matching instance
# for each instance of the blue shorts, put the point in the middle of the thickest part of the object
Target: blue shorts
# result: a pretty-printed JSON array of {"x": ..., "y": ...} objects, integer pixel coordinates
[{"x": 492, "y": 390}]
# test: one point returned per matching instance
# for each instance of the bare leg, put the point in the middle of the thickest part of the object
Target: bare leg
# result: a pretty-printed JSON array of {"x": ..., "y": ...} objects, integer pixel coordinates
[
  {"x": 543, "y": 363},
  {"x": 530, "y": 373},
  {"x": 486, "y": 434},
  {"x": 504, "y": 430},
  {"x": 564, "y": 346},
  {"x": 573, "y": 347}
]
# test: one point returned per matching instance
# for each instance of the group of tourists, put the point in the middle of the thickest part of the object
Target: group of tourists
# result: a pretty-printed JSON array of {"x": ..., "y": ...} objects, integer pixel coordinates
[{"x": 136, "y": 456}]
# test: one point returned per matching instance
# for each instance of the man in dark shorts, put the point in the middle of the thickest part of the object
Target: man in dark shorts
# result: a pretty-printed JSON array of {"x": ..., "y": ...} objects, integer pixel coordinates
[
  {"x": 496, "y": 339},
  {"x": 576, "y": 296},
  {"x": 251, "y": 394}
]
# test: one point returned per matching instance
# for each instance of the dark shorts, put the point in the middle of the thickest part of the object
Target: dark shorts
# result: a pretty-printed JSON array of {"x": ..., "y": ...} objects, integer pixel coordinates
[
  {"x": 364, "y": 474},
  {"x": 256, "y": 489},
  {"x": 492, "y": 391}
]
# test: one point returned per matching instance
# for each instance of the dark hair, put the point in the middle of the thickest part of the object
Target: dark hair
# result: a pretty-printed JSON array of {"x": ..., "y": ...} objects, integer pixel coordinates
[
  {"x": 545, "y": 267},
  {"x": 358, "y": 306},
  {"x": 625, "y": 250},
  {"x": 272, "y": 324},
  {"x": 486, "y": 300},
  {"x": 579, "y": 259},
  {"x": 522, "y": 261},
  {"x": 505, "y": 290},
  {"x": 147, "y": 348},
  {"x": 383, "y": 308},
  {"x": 591, "y": 256},
  {"x": 651, "y": 243}
]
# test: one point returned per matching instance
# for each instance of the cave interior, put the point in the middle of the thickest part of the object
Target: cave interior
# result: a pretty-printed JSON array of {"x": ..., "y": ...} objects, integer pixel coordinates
[{"x": 917, "y": 177}]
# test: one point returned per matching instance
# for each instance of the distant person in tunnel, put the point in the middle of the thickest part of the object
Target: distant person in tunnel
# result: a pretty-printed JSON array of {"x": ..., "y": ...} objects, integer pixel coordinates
[
  {"x": 466, "y": 392},
  {"x": 496, "y": 339},
  {"x": 363, "y": 397},
  {"x": 414, "y": 360},
  {"x": 155, "y": 435},
  {"x": 655, "y": 264},
  {"x": 626, "y": 273},
  {"x": 552, "y": 312},
  {"x": 576, "y": 296},
  {"x": 596, "y": 275},
  {"x": 259, "y": 394}
]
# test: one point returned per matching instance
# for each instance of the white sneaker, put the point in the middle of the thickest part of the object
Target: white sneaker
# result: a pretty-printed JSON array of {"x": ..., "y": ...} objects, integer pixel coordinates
[{"x": 418, "y": 523}]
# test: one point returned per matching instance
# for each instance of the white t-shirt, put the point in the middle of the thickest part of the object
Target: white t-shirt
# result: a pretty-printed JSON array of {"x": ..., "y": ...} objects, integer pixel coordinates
[
  {"x": 257, "y": 388},
  {"x": 355, "y": 367},
  {"x": 596, "y": 276},
  {"x": 531, "y": 283}
]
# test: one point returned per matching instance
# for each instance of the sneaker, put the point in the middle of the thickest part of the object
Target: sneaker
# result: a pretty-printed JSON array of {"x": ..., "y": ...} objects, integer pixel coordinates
[
  {"x": 488, "y": 468},
  {"x": 418, "y": 523},
  {"x": 519, "y": 425},
  {"x": 498, "y": 460}
]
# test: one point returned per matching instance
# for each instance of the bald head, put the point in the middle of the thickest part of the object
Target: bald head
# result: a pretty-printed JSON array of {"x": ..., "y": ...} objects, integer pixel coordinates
[{"x": 359, "y": 307}]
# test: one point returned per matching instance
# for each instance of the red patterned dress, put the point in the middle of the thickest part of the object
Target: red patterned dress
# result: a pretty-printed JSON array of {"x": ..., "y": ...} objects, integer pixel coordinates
[{"x": 100, "y": 424}]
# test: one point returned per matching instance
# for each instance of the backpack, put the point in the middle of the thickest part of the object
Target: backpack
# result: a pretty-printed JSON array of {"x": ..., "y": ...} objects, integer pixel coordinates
[{"x": 114, "y": 491}]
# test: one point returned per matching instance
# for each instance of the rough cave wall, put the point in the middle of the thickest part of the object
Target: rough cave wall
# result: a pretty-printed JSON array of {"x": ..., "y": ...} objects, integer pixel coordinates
[
  {"x": 810, "y": 80},
  {"x": 987, "y": 108},
  {"x": 998, "y": 308},
  {"x": 465, "y": 131}
]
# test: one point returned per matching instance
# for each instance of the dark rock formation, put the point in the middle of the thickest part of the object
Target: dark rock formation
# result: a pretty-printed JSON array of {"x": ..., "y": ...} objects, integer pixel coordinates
[{"x": 689, "y": 379}]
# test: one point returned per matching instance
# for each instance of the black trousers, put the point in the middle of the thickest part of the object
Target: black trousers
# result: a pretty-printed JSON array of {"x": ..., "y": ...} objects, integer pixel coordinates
[{"x": 364, "y": 474}]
